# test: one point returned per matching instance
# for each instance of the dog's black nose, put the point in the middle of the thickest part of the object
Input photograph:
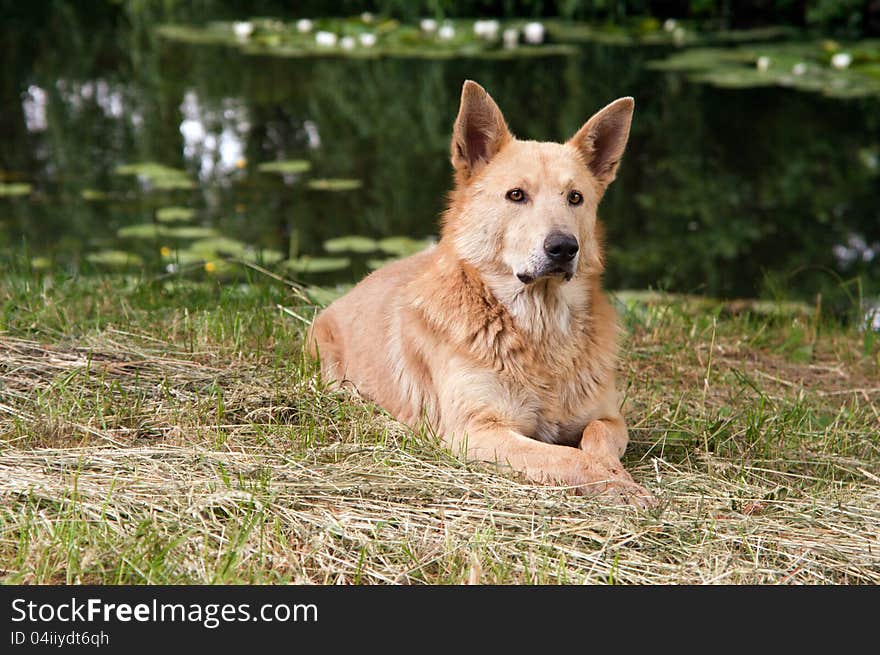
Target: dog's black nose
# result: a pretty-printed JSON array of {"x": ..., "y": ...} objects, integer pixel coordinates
[{"x": 560, "y": 247}]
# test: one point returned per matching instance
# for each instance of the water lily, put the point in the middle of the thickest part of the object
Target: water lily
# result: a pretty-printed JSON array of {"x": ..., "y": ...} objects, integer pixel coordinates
[
  {"x": 347, "y": 43},
  {"x": 428, "y": 25},
  {"x": 447, "y": 32},
  {"x": 367, "y": 17},
  {"x": 367, "y": 39},
  {"x": 799, "y": 68},
  {"x": 304, "y": 25},
  {"x": 487, "y": 29},
  {"x": 510, "y": 37},
  {"x": 326, "y": 39},
  {"x": 670, "y": 24},
  {"x": 763, "y": 63},
  {"x": 242, "y": 30},
  {"x": 534, "y": 33},
  {"x": 841, "y": 60}
]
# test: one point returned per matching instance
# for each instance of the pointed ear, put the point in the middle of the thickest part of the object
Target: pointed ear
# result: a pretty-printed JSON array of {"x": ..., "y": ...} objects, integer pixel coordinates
[
  {"x": 479, "y": 132},
  {"x": 602, "y": 139}
]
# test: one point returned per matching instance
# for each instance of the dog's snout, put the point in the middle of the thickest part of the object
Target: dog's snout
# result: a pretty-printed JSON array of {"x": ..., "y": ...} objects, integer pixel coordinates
[{"x": 560, "y": 247}]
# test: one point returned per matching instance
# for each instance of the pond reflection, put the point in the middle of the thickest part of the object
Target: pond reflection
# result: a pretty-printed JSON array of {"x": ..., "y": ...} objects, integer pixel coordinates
[{"x": 730, "y": 192}]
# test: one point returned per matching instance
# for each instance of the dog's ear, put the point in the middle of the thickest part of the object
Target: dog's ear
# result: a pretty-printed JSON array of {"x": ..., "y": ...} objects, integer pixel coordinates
[
  {"x": 479, "y": 132},
  {"x": 602, "y": 139}
]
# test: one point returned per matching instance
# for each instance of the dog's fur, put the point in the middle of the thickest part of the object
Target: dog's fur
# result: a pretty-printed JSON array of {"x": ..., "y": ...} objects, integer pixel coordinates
[{"x": 509, "y": 356}]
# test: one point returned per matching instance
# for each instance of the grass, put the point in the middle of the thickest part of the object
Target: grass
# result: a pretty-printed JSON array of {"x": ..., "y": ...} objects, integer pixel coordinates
[{"x": 171, "y": 431}]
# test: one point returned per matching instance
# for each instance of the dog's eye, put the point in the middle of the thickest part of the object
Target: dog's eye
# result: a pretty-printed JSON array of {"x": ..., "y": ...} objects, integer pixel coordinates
[
  {"x": 575, "y": 198},
  {"x": 516, "y": 195}
]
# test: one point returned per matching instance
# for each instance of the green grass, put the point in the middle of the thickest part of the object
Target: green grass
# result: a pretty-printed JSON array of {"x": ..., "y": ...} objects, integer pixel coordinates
[{"x": 171, "y": 430}]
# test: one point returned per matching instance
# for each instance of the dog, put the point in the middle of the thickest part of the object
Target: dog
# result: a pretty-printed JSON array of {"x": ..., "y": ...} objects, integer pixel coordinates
[{"x": 500, "y": 336}]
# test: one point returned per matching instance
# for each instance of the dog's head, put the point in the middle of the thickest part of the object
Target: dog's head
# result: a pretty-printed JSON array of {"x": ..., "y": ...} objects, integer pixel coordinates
[{"x": 526, "y": 209}]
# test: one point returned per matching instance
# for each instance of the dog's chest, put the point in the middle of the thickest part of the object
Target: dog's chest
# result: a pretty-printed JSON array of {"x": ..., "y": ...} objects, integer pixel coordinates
[{"x": 562, "y": 404}]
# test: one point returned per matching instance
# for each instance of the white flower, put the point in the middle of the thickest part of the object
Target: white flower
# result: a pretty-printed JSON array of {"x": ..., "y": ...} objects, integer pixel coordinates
[
  {"x": 763, "y": 63},
  {"x": 326, "y": 39},
  {"x": 428, "y": 25},
  {"x": 367, "y": 17},
  {"x": 487, "y": 29},
  {"x": 304, "y": 25},
  {"x": 447, "y": 32},
  {"x": 534, "y": 32},
  {"x": 243, "y": 30},
  {"x": 347, "y": 43},
  {"x": 670, "y": 24},
  {"x": 510, "y": 37},
  {"x": 841, "y": 60},
  {"x": 367, "y": 39},
  {"x": 799, "y": 68}
]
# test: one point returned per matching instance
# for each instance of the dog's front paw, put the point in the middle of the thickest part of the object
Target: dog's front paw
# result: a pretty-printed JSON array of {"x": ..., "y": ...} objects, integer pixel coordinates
[{"x": 615, "y": 484}]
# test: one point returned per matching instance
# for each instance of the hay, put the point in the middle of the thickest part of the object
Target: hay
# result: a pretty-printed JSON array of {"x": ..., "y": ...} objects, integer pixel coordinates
[{"x": 126, "y": 459}]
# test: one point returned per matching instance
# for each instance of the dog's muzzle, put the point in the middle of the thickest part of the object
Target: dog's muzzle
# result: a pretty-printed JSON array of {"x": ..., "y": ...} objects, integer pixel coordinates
[{"x": 560, "y": 250}]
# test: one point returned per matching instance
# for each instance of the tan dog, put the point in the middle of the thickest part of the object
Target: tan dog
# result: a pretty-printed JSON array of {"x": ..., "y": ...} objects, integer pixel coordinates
[{"x": 500, "y": 336}]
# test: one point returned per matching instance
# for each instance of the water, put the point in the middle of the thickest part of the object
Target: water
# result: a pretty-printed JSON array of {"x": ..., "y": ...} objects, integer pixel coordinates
[{"x": 757, "y": 192}]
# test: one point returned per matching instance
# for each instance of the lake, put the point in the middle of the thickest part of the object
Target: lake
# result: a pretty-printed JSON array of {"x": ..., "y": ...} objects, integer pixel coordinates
[{"x": 748, "y": 192}]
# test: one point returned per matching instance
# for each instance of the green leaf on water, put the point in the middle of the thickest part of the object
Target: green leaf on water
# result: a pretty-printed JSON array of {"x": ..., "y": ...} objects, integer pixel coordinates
[
  {"x": 14, "y": 189},
  {"x": 220, "y": 246},
  {"x": 94, "y": 194},
  {"x": 334, "y": 184},
  {"x": 114, "y": 258},
  {"x": 287, "y": 167},
  {"x": 174, "y": 214},
  {"x": 158, "y": 175},
  {"x": 308, "y": 264},
  {"x": 149, "y": 169},
  {"x": 263, "y": 256},
  {"x": 374, "y": 264},
  {"x": 351, "y": 243},
  {"x": 323, "y": 296},
  {"x": 189, "y": 232},
  {"x": 140, "y": 231},
  {"x": 402, "y": 245},
  {"x": 183, "y": 257}
]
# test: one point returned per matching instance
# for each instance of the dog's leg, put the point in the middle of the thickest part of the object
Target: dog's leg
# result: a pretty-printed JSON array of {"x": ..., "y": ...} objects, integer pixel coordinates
[
  {"x": 553, "y": 464},
  {"x": 604, "y": 441}
]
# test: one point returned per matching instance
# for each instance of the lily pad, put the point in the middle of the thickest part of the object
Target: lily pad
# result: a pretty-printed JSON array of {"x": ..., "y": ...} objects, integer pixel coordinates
[
  {"x": 189, "y": 232},
  {"x": 14, "y": 189},
  {"x": 286, "y": 167},
  {"x": 334, "y": 184},
  {"x": 219, "y": 246},
  {"x": 352, "y": 243},
  {"x": 159, "y": 176},
  {"x": 94, "y": 195},
  {"x": 356, "y": 39},
  {"x": 307, "y": 264},
  {"x": 114, "y": 258},
  {"x": 323, "y": 296},
  {"x": 806, "y": 66},
  {"x": 174, "y": 214},
  {"x": 402, "y": 246},
  {"x": 140, "y": 231},
  {"x": 183, "y": 257},
  {"x": 263, "y": 256},
  {"x": 374, "y": 264}
]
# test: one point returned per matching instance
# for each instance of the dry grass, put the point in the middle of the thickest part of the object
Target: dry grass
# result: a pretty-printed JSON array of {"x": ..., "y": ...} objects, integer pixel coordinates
[{"x": 184, "y": 449}]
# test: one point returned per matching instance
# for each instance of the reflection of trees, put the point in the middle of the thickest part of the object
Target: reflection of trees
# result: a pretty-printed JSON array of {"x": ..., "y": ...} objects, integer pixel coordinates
[{"x": 717, "y": 189}]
